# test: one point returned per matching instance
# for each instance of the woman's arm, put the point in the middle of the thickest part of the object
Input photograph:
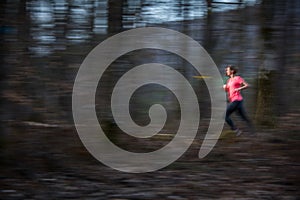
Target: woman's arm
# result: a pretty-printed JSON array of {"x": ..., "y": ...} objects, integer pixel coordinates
[{"x": 244, "y": 85}]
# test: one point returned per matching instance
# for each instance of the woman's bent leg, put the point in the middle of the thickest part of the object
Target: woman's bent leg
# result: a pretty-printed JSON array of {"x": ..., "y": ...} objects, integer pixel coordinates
[{"x": 230, "y": 109}]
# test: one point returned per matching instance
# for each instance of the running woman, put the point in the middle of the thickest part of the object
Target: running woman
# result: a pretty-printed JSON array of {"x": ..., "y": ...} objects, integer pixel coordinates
[{"x": 233, "y": 87}]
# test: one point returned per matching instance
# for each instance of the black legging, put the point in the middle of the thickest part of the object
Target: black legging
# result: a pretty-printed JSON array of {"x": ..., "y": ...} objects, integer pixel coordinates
[{"x": 236, "y": 106}]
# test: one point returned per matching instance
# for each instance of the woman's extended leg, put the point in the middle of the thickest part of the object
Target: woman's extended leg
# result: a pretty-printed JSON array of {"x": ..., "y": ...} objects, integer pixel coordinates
[{"x": 242, "y": 112}]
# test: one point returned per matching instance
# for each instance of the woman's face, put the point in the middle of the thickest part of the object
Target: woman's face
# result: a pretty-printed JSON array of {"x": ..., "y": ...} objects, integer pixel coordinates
[{"x": 228, "y": 71}]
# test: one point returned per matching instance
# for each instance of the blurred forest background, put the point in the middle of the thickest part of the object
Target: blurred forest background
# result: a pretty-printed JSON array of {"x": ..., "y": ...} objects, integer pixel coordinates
[{"x": 43, "y": 44}]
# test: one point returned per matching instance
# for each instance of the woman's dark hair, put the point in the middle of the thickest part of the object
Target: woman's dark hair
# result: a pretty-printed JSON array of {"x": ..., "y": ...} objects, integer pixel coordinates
[{"x": 232, "y": 68}]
